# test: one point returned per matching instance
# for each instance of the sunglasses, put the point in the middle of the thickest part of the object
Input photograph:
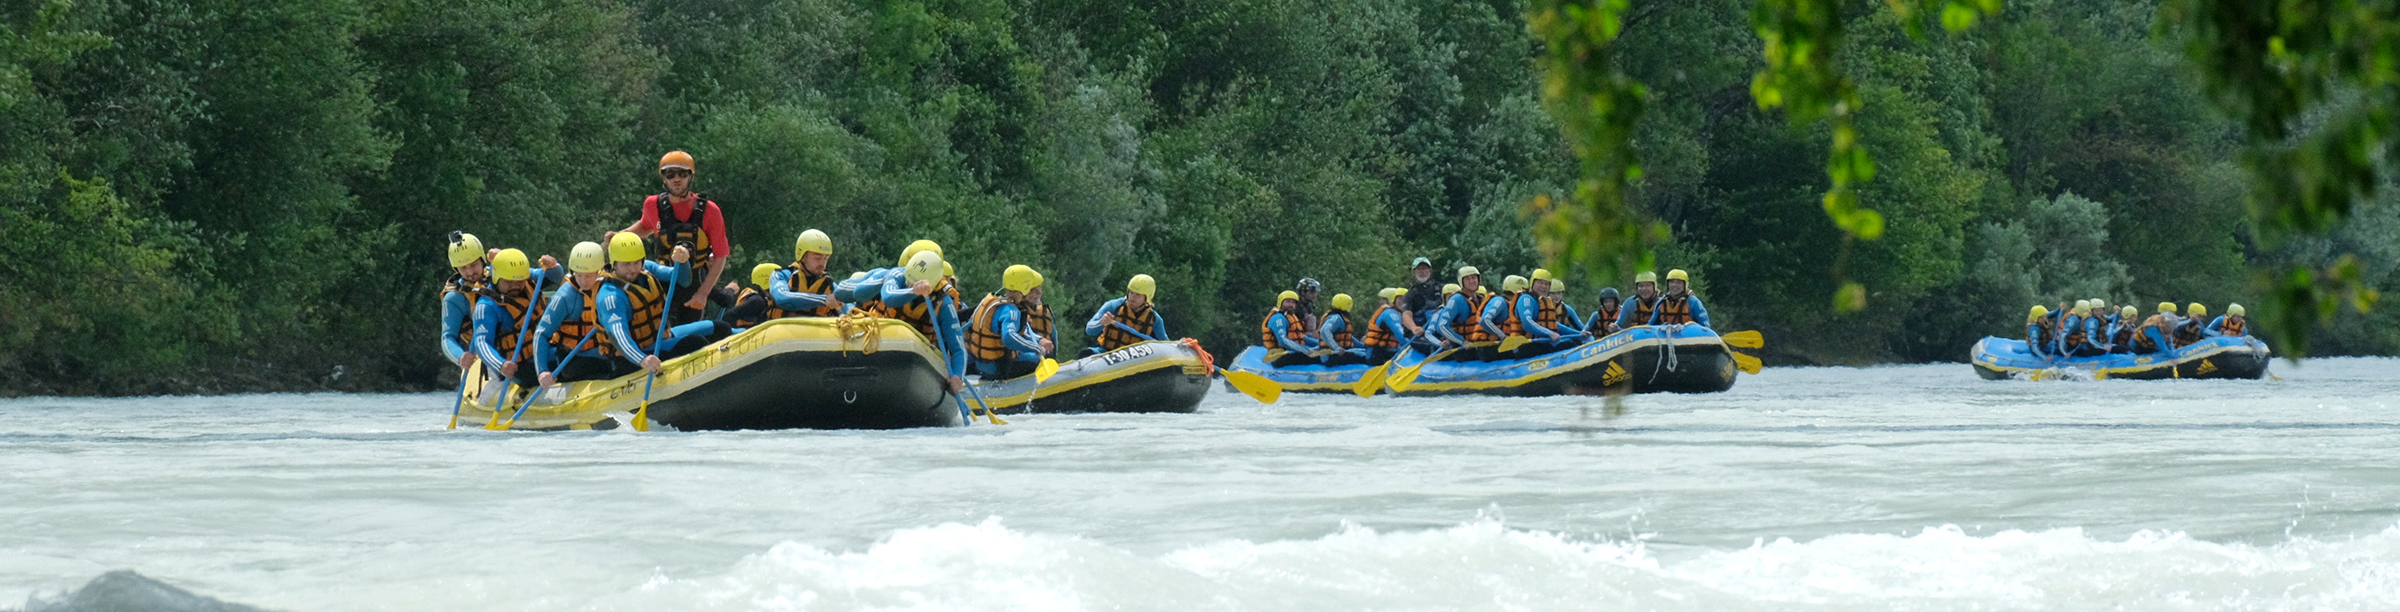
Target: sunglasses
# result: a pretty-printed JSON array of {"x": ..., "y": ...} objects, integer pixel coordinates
[{"x": 674, "y": 173}]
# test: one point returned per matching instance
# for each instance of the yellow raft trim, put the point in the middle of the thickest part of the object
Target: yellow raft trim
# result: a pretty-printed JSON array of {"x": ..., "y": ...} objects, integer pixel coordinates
[
  {"x": 1179, "y": 357},
  {"x": 588, "y": 403}
]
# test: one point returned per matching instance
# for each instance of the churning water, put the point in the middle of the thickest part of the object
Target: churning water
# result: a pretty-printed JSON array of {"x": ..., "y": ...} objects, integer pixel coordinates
[{"x": 1901, "y": 488}]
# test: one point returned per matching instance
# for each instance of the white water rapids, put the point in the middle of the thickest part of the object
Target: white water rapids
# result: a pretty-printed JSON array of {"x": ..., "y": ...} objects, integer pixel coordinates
[{"x": 1892, "y": 488}]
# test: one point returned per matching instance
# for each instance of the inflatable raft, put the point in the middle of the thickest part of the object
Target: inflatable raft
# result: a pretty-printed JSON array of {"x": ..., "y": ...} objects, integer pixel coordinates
[
  {"x": 1156, "y": 376},
  {"x": 796, "y": 373},
  {"x": 1640, "y": 360},
  {"x": 2237, "y": 357}
]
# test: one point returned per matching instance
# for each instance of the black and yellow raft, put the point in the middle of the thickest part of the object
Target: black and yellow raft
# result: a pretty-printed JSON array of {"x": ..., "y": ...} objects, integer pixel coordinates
[
  {"x": 797, "y": 373},
  {"x": 1155, "y": 376}
]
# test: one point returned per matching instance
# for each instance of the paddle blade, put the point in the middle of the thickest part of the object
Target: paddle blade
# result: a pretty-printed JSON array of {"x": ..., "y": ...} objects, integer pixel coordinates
[
  {"x": 1746, "y": 339},
  {"x": 1513, "y": 343},
  {"x": 641, "y": 418},
  {"x": 1047, "y": 369},
  {"x": 1405, "y": 377},
  {"x": 1274, "y": 355},
  {"x": 1372, "y": 382},
  {"x": 1255, "y": 386},
  {"x": 1748, "y": 364}
]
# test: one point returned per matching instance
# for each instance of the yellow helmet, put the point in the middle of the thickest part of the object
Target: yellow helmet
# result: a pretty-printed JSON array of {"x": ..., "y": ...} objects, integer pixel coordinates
[
  {"x": 2099, "y": 304},
  {"x": 1386, "y": 292},
  {"x": 812, "y": 241},
  {"x": 675, "y": 159},
  {"x": 2081, "y": 307},
  {"x": 1541, "y": 274},
  {"x": 1679, "y": 274},
  {"x": 917, "y": 247},
  {"x": 625, "y": 246},
  {"x": 1143, "y": 284},
  {"x": 1645, "y": 277},
  {"x": 1286, "y": 295},
  {"x": 2166, "y": 307},
  {"x": 1341, "y": 301},
  {"x": 2037, "y": 313},
  {"x": 948, "y": 271},
  {"x": 857, "y": 275},
  {"x": 2237, "y": 310},
  {"x": 761, "y": 273},
  {"x": 464, "y": 249},
  {"x": 1514, "y": 283},
  {"x": 1020, "y": 278},
  {"x": 1558, "y": 286},
  {"x": 925, "y": 266},
  {"x": 2129, "y": 312},
  {"x": 1449, "y": 288},
  {"x": 1483, "y": 290},
  {"x": 586, "y": 258},
  {"x": 510, "y": 265},
  {"x": 1466, "y": 271},
  {"x": 2196, "y": 309}
]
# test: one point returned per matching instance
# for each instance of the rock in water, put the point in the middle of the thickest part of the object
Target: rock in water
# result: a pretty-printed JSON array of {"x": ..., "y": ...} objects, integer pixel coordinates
[{"x": 126, "y": 591}]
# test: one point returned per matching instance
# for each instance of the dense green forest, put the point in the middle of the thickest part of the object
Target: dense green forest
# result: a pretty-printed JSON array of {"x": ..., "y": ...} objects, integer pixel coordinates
[{"x": 224, "y": 195}]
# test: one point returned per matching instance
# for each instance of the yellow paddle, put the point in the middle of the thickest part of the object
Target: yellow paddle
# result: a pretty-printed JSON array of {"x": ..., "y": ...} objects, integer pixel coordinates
[
  {"x": 1368, "y": 384},
  {"x": 1748, "y": 364},
  {"x": 1745, "y": 339},
  {"x": 1513, "y": 343},
  {"x": 1407, "y": 376},
  {"x": 1255, "y": 386},
  {"x": 1047, "y": 369}
]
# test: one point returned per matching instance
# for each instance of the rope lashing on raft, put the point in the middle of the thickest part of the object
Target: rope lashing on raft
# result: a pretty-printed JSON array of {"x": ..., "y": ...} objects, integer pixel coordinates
[
  {"x": 860, "y": 327},
  {"x": 1667, "y": 357},
  {"x": 1208, "y": 363}
]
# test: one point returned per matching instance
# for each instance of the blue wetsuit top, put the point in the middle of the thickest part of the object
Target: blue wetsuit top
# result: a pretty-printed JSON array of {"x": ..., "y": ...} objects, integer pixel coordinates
[
  {"x": 779, "y": 289},
  {"x": 616, "y": 310},
  {"x": 1699, "y": 312},
  {"x": 491, "y": 320},
  {"x": 1158, "y": 321},
  {"x": 952, "y": 336},
  {"x": 1278, "y": 325}
]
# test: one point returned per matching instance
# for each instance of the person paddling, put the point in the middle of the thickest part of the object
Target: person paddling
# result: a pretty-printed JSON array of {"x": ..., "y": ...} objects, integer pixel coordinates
[
  {"x": 1000, "y": 344},
  {"x": 573, "y": 313},
  {"x": 2120, "y": 330},
  {"x": 680, "y": 217},
  {"x": 1281, "y": 330},
  {"x": 1335, "y": 335},
  {"x": 1679, "y": 306},
  {"x": 803, "y": 289},
  {"x": 920, "y": 297},
  {"x": 633, "y": 299},
  {"x": 1455, "y": 324},
  {"x": 1126, "y": 320},
  {"x": 2041, "y": 333},
  {"x": 1386, "y": 330},
  {"x": 469, "y": 267},
  {"x": 2235, "y": 323},
  {"x": 2194, "y": 327},
  {"x": 501, "y": 316}
]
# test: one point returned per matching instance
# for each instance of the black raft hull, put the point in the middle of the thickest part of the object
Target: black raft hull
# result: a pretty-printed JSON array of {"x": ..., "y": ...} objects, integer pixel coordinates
[
  {"x": 1152, "y": 376},
  {"x": 886, "y": 390},
  {"x": 1639, "y": 360}
]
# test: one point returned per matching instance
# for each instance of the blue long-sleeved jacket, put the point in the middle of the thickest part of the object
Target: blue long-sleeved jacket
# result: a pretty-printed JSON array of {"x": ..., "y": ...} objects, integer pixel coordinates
[
  {"x": 566, "y": 304},
  {"x": 1459, "y": 307},
  {"x": 1574, "y": 318},
  {"x": 1326, "y": 329},
  {"x": 1490, "y": 313},
  {"x": 942, "y": 309},
  {"x": 2216, "y": 326},
  {"x": 2033, "y": 343},
  {"x": 1529, "y": 317},
  {"x": 616, "y": 310},
  {"x": 1626, "y": 308},
  {"x": 1392, "y": 324},
  {"x": 2067, "y": 325},
  {"x": 779, "y": 289},
  {"x": 492, "y": 320},
  {"x": 1278, "y": 325},
  {"x": 1699, "y": 312},
  {"x": 457, "y": 311},
  {"x": 1158, "y": 322}
]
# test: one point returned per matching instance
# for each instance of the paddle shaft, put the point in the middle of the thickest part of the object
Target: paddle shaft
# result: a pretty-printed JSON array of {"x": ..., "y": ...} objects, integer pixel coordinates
[
  {"x": 554, "y": 370},
  {"x": 641, "y": 417},
  {"x": 1130, "y": 330},
  {"x": 532, "y": 297},
  {"x": 941, "y": 344}
]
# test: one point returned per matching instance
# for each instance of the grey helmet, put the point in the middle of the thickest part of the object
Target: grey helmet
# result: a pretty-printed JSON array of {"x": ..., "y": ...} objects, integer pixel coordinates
[
  {"x": 1309, "y": 285},
  {"x": 1610, "y": 293}
]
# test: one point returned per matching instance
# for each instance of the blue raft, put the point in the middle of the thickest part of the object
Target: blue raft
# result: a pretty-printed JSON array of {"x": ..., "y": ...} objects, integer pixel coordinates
[
  {"x": 1690, "y": 359},
  {"x": 2235, "y": 357}
]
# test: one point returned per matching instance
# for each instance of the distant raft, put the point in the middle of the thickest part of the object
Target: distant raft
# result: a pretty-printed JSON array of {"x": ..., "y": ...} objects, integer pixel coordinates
[
  {"x": 794, "y": 373},
  {"x": 2234, "y": 357},
  {"x": 1690, "y": 359},
  {"x": 1155, "y": 376}
]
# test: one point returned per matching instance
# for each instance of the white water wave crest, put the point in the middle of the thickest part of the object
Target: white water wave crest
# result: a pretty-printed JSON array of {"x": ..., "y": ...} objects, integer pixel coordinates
[{"x": 1485, "y": 566}]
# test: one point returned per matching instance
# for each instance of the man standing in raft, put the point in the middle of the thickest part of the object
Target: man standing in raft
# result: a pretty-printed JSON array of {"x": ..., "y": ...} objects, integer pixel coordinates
[
  {"x": 458, "y": 297},
  {"x": 1678, "y": 306},
  {"x": 681, "y": 218},
  {"x": 1110, "y": 324},
  {"x": 1000, "y": 341}
]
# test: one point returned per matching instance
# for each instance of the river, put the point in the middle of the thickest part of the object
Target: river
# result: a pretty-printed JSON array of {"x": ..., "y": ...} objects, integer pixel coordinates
[{"x": 1888, "y": 488}]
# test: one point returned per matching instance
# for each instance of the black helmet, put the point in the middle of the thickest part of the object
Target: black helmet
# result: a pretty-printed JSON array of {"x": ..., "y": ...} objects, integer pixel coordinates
[
  {"x": 1308, "y": 285},
  {"x": 1609, "y": 293}
]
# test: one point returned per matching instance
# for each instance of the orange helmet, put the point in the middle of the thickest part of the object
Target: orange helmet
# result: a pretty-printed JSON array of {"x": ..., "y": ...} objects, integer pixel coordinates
[{"x": 675, "y": 159}]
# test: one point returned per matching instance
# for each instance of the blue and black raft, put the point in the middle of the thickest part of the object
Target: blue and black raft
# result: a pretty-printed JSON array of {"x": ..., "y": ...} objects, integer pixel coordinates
[
  {"x": 1153, "y": 376},
  {"x": 1668, "y": 359},
  {"x": 2232, "y": 357},
  {"x": 853, "y": 372}
]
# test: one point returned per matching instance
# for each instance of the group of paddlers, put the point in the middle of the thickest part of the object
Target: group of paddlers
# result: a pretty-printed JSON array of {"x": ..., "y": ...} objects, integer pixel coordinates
[
  {"x": 2088, "y": 328},
  {"x": 1528, "y": 317}
]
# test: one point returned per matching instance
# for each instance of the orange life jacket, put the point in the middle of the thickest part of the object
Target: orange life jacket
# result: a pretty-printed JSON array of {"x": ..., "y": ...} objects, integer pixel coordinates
[
  {"x": 1342, "y": 338},
  {"x": 983, "y": 332},
  {"x": 1507, "y": 321},
  {"x": 769, "y": 313},
  {"x": 1470, "y": 327},
  {"x": 1675, "y": 310},
  {"x": 2234, "y": 327},
  {"x": 1549, "y": 312},
  {"x": 2142, "y": 342},
  {"x": 918, "y": 312},
  {"x": 1037, "y": 317},
  {"x": 1642, "y": 309},
  {"x": 691, "y": 232},
  {"x": 1607, "y": 318},
  {"x": 573, "y": 330},
  {"x": 504, "y": 337},
  {"x": 459, "y": 284},
  {"x": 2189, "y": 333},
  {"x": 1113, "y": 338},
  {"x": 646, "y": 300},
  {"x": 802, "y": 282},
  {"x": 2076, "y": 334},
  {"x": 2046, "y": 332},
  {"x": 1376, "y": 335},
  {"x": 1291, "y": 330}
]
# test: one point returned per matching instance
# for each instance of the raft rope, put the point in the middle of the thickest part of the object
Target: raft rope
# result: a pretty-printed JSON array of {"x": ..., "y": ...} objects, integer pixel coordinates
[
  {"x": 1667, "y": 357},
  {"x": 1208, "y": 363},
  {"x": 861, "y": 327}
]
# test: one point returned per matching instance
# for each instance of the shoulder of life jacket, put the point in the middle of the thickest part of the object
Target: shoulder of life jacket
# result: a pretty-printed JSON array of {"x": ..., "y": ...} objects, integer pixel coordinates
[
  {"x": 1113, "y": 337},
  {"x": 646, "y": 301},
  {"x": 983, "y": 331},
  {"x": 1676, "y": 310},
  {"x": 801, "y": 282},
  {"x": 1376, "y": 335},
  {"x": 588, "y": 321}
]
